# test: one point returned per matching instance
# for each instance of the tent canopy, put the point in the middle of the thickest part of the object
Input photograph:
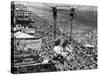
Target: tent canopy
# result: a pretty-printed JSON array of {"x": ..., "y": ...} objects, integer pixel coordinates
[{"x": 22, "y": 35}]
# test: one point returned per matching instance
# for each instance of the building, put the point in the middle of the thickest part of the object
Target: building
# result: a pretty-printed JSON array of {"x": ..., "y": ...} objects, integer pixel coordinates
[{"x": 22, "y": 15}]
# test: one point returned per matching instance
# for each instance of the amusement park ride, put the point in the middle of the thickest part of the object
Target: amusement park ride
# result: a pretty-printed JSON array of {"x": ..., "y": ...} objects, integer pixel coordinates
[{"x": 70, "y": 9}]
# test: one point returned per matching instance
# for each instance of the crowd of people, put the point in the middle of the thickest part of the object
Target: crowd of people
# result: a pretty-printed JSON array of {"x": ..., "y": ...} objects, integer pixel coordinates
[{"x": 65, "y": 54}]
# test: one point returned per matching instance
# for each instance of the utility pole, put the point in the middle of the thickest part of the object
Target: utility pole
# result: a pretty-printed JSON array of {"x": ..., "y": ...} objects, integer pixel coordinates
[
  {"x": 71, "y": 31},
  {"x": 72, "y": 11},
  {"x": 54, "y": 17}
]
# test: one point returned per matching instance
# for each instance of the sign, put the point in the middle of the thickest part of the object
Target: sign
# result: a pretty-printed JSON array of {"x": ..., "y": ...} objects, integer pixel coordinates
[
  {"x": 34, "y": 44},
  {"x": 23, "y": 44}
]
